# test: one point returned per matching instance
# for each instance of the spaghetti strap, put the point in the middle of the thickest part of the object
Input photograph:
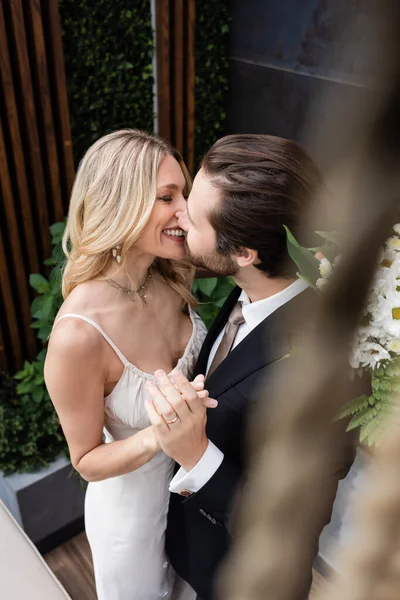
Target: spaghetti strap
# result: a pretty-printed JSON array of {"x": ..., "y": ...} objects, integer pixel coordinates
[{"x": 99, "y": 329}]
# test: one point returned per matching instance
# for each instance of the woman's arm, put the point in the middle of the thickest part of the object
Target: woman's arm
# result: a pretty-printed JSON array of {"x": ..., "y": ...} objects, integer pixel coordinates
[{"x": 75, "y": 373}]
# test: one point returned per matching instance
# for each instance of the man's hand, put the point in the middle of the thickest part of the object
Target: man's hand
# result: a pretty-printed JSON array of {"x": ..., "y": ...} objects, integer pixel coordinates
[
  {"x": 198, "y": 385},
  {"x": 179, "y": 418}
]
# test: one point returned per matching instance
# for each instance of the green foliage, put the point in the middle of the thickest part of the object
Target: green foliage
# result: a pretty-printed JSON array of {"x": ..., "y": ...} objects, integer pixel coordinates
[
  {"x": 211, "y": 293},
  {"x": 30, "y": 434},
  {"x": 108, "y": 51},
  {"x": 303, "y": 258},
  {"x": 46, "y": 305},
  {"x": 371, "y": 414},
  {"x": 212, "y": 69}
]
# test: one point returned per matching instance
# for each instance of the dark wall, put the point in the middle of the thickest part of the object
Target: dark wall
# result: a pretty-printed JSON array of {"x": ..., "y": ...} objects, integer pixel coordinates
[{"x": 286, "y": 53}]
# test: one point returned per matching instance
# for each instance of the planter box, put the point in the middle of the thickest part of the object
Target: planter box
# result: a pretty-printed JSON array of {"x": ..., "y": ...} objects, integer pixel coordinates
[
  {"x": 336, "y": 532},
  {"x": 47, "y": 503}
]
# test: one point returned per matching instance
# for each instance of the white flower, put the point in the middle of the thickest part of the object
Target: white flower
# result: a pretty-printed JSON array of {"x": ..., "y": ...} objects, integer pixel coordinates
[
  {"x": 387, "y": 313},
  {"x": 393, "y": 346},
  {"x": 397, "y": 228},
  {"x": 367, "y": 332},
  {"x": 325, "y": 267},
  {"x": 393, "y": 243},
  {"x": 321, "y": 283},
  {"x": 368, "y": 355},
  {"x": 386, "y": 256}
]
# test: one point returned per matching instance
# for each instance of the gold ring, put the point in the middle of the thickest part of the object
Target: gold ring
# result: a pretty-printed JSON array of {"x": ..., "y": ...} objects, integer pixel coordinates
[{"x": 173, "y": 420}]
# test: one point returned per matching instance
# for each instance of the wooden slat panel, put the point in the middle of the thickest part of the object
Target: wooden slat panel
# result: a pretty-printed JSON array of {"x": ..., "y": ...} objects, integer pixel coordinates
[
  {"x": 175, "y": 74},
  {"x": 4, "y": 364},
  {"x": 178, "y": 76},
  {"x": 15, "y": 135},
  {"x": 14, "y": 353},
  {"x": 14, "y": 252},
  {"x": 36, "y": 162},
  {"x": 163, "y": 67},
  {"x": 29, "y": 116},
  {"x": 43, "y": 103},
  {"x": 189, "y": 91},
  {"x": 57, "y": 75}
]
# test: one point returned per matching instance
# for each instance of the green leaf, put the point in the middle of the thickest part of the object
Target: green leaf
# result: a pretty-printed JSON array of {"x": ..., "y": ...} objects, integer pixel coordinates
[
  {"x": 50, "y": 262},
  {"x": 302, "y": 257},
  {"x": 220, "y": 302},
  {"x": 42, "y": 355},
  {"x": 361, "y": 418},
  {"x": 36, "y": 306},
  {"x": 44, "y": 332},
  {"x": 38, "y": 394},
  {"x": 224, "y": 287},
  {"x": 39, "y": 283},
  {"x": 47, "y": 307},
  {"x": 207, "y": 286},
  {"x": 39, "y": 379},
  {"x": 352, "y": 407},
  {"x": 57, "y": 228},
  {"x": 25, "y": 387},
  {"x": 369, "y": 430},
  {"x": 208, "y": 313}
]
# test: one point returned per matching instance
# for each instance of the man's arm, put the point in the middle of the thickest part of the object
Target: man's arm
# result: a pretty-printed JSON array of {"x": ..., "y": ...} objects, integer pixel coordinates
[
  {"x": 185, "y": 441},
  {"x": 191, "y": 481}
]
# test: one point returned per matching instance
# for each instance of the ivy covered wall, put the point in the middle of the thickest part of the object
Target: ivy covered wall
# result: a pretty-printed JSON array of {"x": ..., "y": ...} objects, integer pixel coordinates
[
  {"x": 212, "y": 69},
  {"x": 108, "y": 50}
]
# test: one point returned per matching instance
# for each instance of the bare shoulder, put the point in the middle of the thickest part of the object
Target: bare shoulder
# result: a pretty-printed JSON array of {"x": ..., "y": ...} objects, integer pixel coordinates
[
  {"x": 73, "y": 337},
  {"x": 76, "y": 337}
]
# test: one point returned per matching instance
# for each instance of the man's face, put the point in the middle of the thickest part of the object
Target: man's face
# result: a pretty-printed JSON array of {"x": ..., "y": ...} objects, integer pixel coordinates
[{"x": 201, "y": 241}]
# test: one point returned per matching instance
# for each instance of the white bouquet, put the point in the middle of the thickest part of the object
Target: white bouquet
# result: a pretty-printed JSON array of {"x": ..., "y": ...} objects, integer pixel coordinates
[{"x": 376, "y": 346}]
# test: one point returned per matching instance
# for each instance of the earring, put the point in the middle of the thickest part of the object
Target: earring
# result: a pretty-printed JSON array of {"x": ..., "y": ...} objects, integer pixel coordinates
[{"x": 116, "y": 252}]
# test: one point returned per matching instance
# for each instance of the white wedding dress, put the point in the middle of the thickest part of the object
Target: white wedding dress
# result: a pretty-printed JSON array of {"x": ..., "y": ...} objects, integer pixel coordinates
[{"x": 125, "y": 516}]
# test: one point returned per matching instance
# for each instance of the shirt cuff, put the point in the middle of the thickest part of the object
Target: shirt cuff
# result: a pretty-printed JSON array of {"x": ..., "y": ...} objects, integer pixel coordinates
[{"x": 191, "y": 481}]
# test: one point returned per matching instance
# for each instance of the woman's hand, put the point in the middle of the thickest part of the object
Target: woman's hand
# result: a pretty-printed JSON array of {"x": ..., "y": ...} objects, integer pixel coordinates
[
  {"x": 198, "y": 385},
  {"x": 178, "y": 416}
]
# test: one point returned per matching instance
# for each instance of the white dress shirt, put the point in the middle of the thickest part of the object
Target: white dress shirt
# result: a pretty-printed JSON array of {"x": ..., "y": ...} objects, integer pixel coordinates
[{"x": 253, "y": 313}]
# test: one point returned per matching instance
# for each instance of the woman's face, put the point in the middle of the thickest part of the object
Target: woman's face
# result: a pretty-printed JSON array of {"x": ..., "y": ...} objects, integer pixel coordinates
[{"x": 162, "y": 236}]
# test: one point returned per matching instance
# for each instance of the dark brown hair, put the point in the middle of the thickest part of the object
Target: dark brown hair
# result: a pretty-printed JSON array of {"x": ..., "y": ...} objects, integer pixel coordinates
[{"x": 265, "y": 182}]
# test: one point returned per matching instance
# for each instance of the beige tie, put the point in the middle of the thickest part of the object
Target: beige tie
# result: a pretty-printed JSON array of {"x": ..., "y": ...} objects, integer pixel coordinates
[{"x": 231, "y": 329}]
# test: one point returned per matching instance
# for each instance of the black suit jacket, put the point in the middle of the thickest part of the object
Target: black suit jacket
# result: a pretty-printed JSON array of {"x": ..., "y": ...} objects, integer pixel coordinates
[{"x": 198, "y": 532}]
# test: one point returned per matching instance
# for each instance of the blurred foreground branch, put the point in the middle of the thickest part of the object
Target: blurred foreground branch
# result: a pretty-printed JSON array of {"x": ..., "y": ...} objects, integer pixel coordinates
[{"x": 293, "y": 448}]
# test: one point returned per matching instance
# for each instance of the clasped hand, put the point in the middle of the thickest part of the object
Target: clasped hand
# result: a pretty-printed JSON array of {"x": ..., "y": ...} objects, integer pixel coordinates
[{"x": 177, "y": 411}]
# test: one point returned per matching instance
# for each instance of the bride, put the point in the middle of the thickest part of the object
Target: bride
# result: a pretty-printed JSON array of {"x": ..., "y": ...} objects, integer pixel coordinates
[{"x": 127, "y": 311}]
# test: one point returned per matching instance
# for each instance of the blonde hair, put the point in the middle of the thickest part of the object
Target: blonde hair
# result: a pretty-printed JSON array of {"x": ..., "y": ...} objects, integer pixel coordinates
[{"x": 111, "y": 202}]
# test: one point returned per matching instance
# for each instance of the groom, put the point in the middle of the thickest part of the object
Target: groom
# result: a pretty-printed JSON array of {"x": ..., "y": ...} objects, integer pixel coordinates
[{"x": 248, "y": 188}]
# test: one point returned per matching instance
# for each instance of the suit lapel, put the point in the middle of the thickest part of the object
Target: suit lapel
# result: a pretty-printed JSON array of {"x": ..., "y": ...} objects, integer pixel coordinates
[
  {"x": 215, "y": 329},
  {"x": 266, "y": 343},
  {"x": 262, "y": 346}
]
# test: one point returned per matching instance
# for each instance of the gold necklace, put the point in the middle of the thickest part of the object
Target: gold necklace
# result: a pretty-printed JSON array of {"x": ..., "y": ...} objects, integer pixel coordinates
[{"x": 129, "y": 291}]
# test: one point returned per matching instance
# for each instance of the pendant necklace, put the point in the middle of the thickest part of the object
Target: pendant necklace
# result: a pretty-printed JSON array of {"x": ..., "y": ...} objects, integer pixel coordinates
[{"x": 141, "y": 292}]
